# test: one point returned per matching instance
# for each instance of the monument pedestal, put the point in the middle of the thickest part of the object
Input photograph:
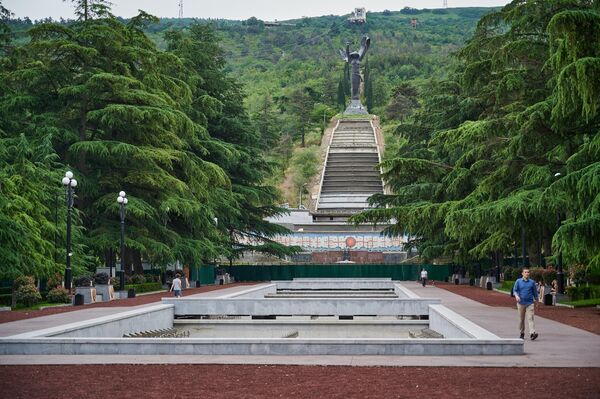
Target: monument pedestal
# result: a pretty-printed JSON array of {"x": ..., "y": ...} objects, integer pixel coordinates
[{"x": 356, "y": 108}]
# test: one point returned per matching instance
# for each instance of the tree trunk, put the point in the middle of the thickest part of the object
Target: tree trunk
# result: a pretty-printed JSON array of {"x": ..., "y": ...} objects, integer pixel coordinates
[
  {"x": 137, "y": 262},
  {"x": 13, "y": 300}
]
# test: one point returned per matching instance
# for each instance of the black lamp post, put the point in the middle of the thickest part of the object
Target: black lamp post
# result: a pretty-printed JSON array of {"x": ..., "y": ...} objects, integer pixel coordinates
[
  {"x": 560, "y": 276},
  {"x": 70, "y": 185},
  {"x": 122, "y": 200}
]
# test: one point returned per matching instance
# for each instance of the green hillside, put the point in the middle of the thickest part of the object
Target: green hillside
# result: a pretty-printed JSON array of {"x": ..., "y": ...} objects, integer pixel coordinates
[
  {"x": 275, "y": 60},
  {"x": 292, "y": 73},
  {"x": 490, "y": 118}
]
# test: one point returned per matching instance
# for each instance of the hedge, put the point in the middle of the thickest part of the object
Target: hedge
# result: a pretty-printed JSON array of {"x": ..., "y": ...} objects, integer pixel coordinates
[
  {"x": 6, "y": 299},
  {"x": 583, "y": 292},
  {"x": 507, "y": 285},
  {"x": 583, "y": 303},
  {"x": 146, "y": 287}
]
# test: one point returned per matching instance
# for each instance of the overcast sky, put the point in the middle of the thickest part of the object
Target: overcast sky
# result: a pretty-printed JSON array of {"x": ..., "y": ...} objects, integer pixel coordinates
[{"x": 235, "y": 9}]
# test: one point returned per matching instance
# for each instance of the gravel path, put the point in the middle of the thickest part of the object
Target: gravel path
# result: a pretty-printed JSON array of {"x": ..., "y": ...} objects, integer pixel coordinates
[{"x": 250, "y": 381}]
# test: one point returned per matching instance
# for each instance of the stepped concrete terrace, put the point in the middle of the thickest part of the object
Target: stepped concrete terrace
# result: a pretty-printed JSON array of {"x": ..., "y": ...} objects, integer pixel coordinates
[
  {"x": 351, "y": 174},
  {"x": 294, "y": 318}
]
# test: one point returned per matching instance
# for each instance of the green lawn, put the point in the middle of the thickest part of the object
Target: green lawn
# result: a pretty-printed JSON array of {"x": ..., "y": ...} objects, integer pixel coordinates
[
  {"x": 37, "y": 307},
  {"x": 583, "y": 302}
]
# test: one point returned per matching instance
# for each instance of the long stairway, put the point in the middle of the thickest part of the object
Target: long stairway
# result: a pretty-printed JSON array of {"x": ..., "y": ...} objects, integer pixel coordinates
[{"x": 350, "y": 175}]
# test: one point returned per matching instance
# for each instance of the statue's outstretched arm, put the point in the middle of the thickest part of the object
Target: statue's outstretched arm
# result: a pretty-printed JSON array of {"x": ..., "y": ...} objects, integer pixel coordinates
[{"x": 364, "y": 46}]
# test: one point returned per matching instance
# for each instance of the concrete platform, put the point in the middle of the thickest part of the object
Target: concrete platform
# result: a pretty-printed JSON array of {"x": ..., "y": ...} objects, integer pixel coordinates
[{"x": 559, "y": 345}]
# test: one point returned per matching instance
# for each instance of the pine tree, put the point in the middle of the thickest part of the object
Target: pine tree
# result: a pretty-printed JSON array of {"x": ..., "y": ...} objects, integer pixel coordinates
[
  {"x": 341, "y": 95},
  {"x": 368, "y": 87},
  {"x": 346, "y": 80},
  {"x": 5, "y": 32},
  {"x": 115, "y": 106},
  {"x": 88, "y": 9},
  {"x": 477, "y": 166},
  {"x": 235, "y": 145}
]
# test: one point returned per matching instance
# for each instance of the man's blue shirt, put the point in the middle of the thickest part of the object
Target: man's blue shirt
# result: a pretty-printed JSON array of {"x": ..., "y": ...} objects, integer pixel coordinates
[{"x": 526, "y": 290}]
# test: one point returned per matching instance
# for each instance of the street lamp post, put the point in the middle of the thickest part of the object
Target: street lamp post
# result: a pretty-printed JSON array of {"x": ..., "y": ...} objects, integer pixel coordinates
[
  {"x": 560, "y": 276},
  {"x": 70, "y": 185},
  {"x": 122, "y": 201},
  {"x": 301, "y": 189}
]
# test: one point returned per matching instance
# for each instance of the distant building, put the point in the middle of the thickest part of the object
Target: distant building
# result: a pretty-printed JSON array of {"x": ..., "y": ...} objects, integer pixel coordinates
[
  {"x": 277, "y": 23},
  {"x": 359, "y": 16},
  {"x": 413, "y": 22}
]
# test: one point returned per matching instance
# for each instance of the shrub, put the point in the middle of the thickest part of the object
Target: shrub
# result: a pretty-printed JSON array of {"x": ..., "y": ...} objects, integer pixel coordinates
[
  {"x": 58, "y": 295},
  {"x": 147, "y": 287},
  {"x": 56, "y": 280},
  {"x": 578, "y": 273},
  {"x": 22, "y": 281},
  {"x": 583, "y": 292},
  {"x": 5, "y": 299},
  {"x": 101, "y": 278},
  {"x": 512, "y": 273},
  {"x": 82, "y": 281},
  {"x": 138, "y": 279},
  {"x": 28, "y": 295},
  {"x": 549, "y": 275},
  {"x": 507, "y": 285},
  {"x": 537, "y": 274}
]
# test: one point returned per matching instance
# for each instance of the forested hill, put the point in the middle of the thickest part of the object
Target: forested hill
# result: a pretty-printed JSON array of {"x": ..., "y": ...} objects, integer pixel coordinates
[
  {"x": 275, "y": 60},
  {"x": 490, "y": 152},
  {"x": 294, "y": 79}
]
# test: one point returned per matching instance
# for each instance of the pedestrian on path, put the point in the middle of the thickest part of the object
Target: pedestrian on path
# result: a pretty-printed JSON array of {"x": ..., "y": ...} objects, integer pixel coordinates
[
  {"x": 526, "y": 294},
  {"x": 541, "y": 290},
  {"x": 176, "y": 285},
  {"x": 424, "y": 277},
  {"x": 553, "y": 290}
]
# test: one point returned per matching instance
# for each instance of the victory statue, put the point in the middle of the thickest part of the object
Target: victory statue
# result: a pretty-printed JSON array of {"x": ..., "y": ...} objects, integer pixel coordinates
[{"x": 354, "y": 59}]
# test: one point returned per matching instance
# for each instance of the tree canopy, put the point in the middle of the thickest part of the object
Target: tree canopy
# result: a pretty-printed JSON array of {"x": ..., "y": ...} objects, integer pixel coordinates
[
  {"x": 98, "y": 97},
  {"x": 506, "y": 144}
]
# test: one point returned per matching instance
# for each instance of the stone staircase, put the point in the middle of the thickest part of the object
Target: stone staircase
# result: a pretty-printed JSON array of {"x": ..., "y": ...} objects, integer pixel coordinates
[{"x": 350, "y": 175}]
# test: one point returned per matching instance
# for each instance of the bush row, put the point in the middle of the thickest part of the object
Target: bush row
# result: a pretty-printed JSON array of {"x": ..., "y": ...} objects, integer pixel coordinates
[
  {"x": 507, "y": 285},
  {"x": 535, "y": 273},
  {"x": 583, "y": 292},
  {"x": 5, "y": 299},
  {"x": 146, "y": 287}
]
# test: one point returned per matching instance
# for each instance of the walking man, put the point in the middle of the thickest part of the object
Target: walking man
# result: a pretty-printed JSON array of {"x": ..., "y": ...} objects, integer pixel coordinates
[
  {"x": 525, "y": 291},
  {"x": 424, "y": 277}
]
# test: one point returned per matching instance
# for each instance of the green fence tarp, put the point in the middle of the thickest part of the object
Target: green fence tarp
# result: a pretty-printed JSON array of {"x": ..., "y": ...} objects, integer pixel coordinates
[
  {"x": 289, "y": 272},
  {"x": 206, "y": 274}
]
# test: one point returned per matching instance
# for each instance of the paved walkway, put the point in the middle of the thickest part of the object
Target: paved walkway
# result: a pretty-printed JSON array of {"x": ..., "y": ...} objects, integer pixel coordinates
[{"x": 559, "y": 345}]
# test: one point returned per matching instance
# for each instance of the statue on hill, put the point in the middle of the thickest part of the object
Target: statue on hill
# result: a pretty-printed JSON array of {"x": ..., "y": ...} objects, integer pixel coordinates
[{"x": 354, "y": 59}]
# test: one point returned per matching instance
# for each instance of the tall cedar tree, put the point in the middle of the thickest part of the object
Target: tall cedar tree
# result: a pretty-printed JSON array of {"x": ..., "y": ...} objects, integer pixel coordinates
[
  {"x": 507, "y": 143},
  {"x": 235, "y": 145}
]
